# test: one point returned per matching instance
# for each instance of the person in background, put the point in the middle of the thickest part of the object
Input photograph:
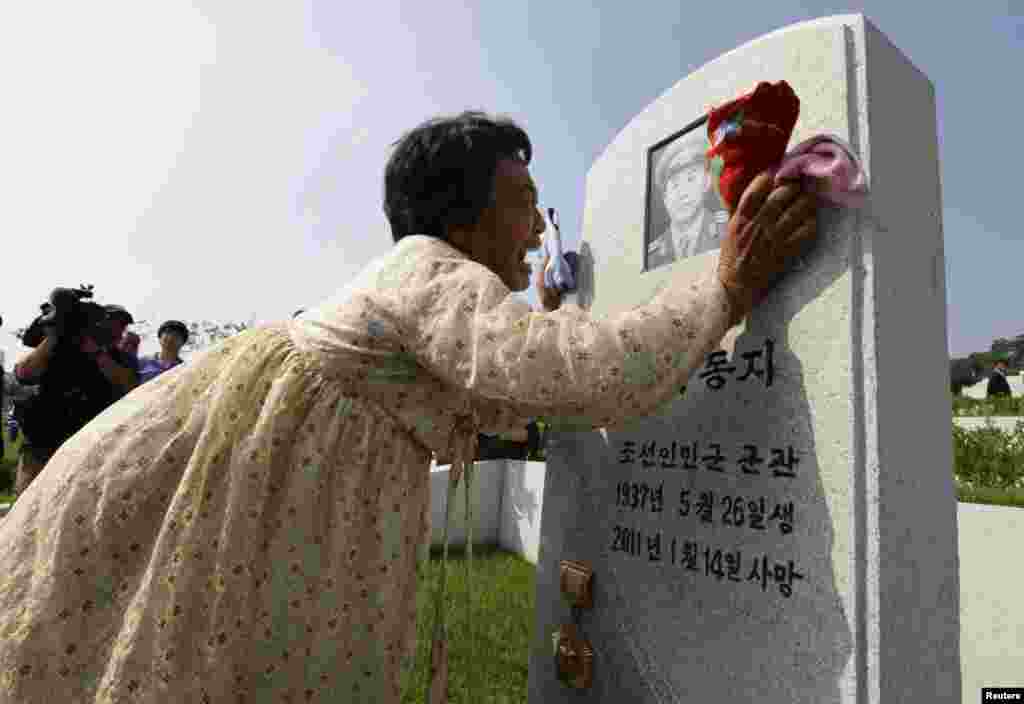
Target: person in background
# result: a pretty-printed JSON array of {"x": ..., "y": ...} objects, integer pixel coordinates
[
  {"x": 3, "y": 384},
  {"x": 173, "y": 335},
  {"x": 3, "y": 387},
  {"x": 77, "y": 379},
  {"x": 997, "y": 383},
  {"x": 129, "y": 344},
  {"x": 118, "y": 320},
  {"x": 12, "y": 426},
  {"x": 513, "y": 445}
]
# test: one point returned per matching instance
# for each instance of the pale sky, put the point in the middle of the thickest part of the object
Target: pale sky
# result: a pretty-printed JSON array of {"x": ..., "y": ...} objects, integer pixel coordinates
[{"x": 224, "y": 160}]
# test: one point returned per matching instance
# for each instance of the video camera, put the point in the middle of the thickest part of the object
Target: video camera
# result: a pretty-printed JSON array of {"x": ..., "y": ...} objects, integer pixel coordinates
[{"x": 69, "y": 314}]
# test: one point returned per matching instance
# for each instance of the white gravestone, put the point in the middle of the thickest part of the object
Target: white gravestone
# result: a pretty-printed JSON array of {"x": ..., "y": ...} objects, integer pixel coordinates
[{"x": 785, "y": 532}]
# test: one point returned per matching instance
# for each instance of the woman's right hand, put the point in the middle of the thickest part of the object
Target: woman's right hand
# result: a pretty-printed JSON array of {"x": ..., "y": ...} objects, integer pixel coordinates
[{"x": 774, "y": 224}]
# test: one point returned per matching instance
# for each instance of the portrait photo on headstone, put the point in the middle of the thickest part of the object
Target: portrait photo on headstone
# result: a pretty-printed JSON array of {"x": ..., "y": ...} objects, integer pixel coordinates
[{"x": 684, "y": 215}]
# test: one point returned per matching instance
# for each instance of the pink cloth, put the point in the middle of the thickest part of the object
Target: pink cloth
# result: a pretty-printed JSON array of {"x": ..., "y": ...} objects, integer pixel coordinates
[{"x": 832, "y": 160}]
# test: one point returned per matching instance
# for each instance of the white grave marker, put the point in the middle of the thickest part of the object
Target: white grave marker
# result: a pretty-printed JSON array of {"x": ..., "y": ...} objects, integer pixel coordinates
[{"x": 786, "y": 531}]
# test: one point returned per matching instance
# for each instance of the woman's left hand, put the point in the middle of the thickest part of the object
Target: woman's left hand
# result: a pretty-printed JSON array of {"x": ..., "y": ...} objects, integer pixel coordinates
[{"x": 550, "y": 298}]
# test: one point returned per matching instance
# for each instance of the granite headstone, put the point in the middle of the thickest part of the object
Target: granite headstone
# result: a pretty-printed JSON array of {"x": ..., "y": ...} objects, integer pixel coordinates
[{"x": 784, "y": 532}]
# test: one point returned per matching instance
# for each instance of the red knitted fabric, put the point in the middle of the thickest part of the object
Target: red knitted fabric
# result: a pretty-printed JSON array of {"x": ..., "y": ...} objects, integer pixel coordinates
[{"x": 749, "y": 135}]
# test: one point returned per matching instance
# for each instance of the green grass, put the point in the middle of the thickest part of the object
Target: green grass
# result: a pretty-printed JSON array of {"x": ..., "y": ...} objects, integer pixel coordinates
[
  {"x": 495, "y": 662},
  {"x": 991, "y": 496},
  {"x": 11, "y": 448},
  {"x": 996, "y": 407},
  {"x": 989, "y": 457}
]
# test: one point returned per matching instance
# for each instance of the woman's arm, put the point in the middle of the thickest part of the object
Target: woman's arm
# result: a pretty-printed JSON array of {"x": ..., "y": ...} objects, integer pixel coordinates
[
  {"x": 463, "y": 324},
  {"x": 466, "y": 327}
]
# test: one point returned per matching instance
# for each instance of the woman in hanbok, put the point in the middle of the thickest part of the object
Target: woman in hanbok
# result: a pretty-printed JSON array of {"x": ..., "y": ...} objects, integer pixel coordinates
[{"x": 245, "y": 528}]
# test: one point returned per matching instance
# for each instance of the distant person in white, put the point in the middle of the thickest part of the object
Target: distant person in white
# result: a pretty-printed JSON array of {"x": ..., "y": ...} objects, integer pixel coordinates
[{"x": 697, "y": 216}]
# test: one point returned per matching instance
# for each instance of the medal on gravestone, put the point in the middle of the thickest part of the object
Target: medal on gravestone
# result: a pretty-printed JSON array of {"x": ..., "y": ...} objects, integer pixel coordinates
[{"x": 573, "y": 657}]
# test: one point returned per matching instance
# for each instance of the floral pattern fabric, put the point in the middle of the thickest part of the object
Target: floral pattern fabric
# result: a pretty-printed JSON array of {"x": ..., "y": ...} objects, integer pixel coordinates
[{"x": 245, "y": 527}]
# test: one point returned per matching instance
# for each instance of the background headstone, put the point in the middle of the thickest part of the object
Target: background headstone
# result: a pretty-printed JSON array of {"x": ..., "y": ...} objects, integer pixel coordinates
[{"x": 860, "y": 599}]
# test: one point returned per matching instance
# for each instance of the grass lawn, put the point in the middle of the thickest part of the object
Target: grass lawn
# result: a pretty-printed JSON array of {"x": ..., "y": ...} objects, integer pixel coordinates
[
  {"x": 991, "y": 496},
  {"x": 497, "y": 661}
]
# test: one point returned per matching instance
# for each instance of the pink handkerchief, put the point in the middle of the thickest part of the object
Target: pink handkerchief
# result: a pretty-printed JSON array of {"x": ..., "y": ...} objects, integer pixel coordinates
[{"x": 833, "y": 161}]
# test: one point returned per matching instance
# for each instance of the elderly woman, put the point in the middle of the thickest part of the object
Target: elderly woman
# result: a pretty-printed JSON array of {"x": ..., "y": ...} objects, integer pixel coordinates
[{"x": 245, "y": 527}]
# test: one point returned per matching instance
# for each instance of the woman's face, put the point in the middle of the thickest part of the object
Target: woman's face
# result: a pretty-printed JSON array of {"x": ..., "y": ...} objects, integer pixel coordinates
[{"x": 508, "y": 229}]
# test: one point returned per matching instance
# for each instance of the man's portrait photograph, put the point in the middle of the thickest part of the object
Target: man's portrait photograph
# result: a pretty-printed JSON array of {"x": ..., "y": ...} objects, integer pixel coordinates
[{"x": 685, "y": 216}]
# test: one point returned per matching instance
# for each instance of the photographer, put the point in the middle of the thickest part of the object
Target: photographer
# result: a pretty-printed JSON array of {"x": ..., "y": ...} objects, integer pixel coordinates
[{"x": 79, "y": 370}]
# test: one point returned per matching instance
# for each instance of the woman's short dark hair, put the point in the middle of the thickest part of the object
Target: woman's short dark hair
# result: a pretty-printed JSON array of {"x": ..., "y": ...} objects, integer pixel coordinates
[{"x": 441, "y": 174}]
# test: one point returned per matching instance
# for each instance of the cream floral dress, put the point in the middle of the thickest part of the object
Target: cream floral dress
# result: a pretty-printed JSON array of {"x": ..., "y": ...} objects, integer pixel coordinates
[{"x": 245, "y": 527}]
